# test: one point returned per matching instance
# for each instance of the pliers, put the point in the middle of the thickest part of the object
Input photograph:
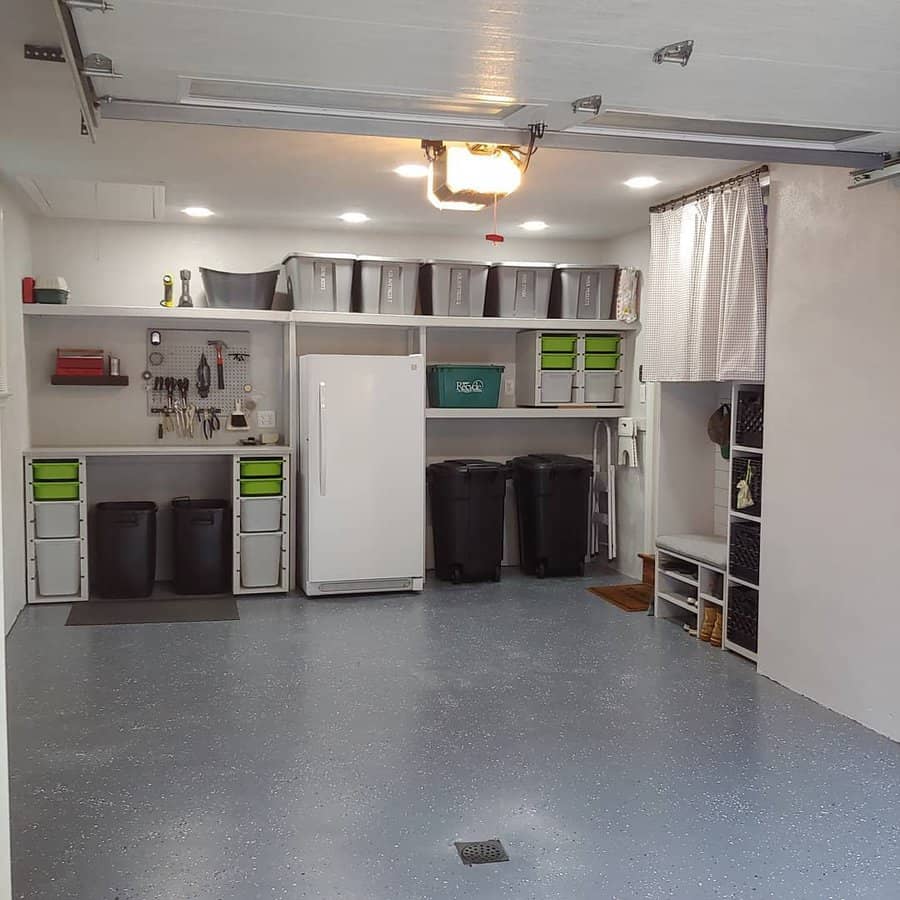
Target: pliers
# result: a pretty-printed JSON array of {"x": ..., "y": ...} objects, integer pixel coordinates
[{"x": 211, "y": 423}]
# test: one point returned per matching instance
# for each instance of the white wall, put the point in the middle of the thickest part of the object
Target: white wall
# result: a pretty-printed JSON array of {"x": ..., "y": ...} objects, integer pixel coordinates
[
  {"x": 634, "y": 486},
  {"x": 15, "y": 262},
  {"x": 14, "y": 430},
  {"x": 123, "y": 264},
  {"x": 829, "y": 613}
]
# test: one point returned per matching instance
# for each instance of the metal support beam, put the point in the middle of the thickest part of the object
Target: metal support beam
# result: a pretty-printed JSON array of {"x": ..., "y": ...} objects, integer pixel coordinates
[
  {"x": 576, "y": 139},
  {"x": 72, "y": 50}
]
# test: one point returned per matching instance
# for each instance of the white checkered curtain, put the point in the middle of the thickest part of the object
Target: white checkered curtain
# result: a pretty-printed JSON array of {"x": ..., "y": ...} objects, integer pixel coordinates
[{"x": 705, "y": 312}]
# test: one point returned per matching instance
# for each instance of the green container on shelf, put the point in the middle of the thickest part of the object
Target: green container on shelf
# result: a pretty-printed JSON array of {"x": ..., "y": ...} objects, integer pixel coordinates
[
  {"x": 557, "y": 360},
  {"x": 601, "y": 361},
  {"x": 464, "y": 386},
  {"x": 601, "y": 343},
  {"x": 558, "y": 343},
  {"x": 56, "y": 490},
  {"x": 55, "y": 470},
  {"x": 260, "y": 487},
  {"x": 260, "y": 468}
]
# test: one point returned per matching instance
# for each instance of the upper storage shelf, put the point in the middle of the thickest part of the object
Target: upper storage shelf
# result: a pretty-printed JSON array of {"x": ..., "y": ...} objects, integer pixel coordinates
[{"x": 302, "y": 317}]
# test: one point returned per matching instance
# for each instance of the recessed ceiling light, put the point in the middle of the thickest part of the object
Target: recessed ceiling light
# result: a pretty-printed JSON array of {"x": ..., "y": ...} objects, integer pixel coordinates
[
  {"x": 534, "y": 225},
  {"x": 411, "y": 170},
  {"x": 640, "y": 182},
  {"x": 198, "y": 212},
  {"x": 354, "y": 218}
]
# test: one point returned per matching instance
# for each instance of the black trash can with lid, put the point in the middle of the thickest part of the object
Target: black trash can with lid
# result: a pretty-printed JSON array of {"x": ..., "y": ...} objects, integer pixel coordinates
[
  {"x": 125, "y": 560},
  {"x": 552, "y": 498},
  {"x": 202, "y": 532},
  {"x": 467, "y": 502}
]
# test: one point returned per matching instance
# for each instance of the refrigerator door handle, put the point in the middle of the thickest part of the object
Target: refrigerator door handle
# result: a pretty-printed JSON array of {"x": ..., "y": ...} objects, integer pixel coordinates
[{"x": 323, "y": 441}]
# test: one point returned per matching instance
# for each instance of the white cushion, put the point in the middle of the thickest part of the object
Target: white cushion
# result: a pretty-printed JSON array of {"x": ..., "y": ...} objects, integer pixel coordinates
[{"x": 705, "y": 548}]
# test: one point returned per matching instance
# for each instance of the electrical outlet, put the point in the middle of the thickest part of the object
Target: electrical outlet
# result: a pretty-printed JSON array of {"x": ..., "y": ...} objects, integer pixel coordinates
[
  {"x": 509, "y": 386},
  {"x": 265, "y": 418}
]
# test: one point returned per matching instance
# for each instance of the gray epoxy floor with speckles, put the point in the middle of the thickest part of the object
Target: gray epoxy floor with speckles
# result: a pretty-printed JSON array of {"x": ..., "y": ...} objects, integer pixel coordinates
[{"x": 337, "y": 748}]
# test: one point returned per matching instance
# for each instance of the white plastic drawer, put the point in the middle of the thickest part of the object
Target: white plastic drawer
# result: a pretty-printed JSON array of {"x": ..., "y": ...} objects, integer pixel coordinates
[
  {"x": 261, "y": 560},
  {"x": 556, "y": 387},
  {"x": 260, "y": 514},
  {"x": 57, "y": 520},
  {"x": 58, "y": 568},
  {"x": 600, "y": 387}
]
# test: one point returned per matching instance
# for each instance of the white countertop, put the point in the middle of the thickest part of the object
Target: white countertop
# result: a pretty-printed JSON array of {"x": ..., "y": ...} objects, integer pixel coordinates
[{"x": 161, "y": 449}]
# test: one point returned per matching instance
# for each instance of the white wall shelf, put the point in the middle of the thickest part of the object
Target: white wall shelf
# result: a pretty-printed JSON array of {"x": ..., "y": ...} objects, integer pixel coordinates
[
  {"x": 161, "y": 449},
  {"x": 745, "y": 516},
  {"x": 677, "y": 600},
  {"x": 741, "y": 581},
  {"x": 711, "y": 598},
  {"x": 526, "y": 412},
  {"x": 194, "y": 314},
  {"x": 308, "y": 317},
  {"x": 756, "y": 451}
]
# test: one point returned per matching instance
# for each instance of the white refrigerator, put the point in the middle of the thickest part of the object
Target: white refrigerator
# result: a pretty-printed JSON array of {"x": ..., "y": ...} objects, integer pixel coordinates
[{"x": 362, "y": 460}]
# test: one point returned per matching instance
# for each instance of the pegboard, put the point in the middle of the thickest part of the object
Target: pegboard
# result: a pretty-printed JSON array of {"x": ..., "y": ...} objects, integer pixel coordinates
[{"x": 181, "y": 350}]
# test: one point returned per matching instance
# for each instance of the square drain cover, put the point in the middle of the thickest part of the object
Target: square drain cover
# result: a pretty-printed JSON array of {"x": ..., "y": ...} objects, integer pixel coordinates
[{"x": 473, "y": 853}]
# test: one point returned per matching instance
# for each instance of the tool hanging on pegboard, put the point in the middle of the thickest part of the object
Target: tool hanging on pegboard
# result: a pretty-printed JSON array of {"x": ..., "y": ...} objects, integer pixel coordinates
[{"x": 182, "y": 390}]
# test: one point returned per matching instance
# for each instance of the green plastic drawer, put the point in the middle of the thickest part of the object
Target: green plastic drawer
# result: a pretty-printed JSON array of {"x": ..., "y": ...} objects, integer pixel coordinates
[
  {"x": 602, "y": 343},
  {"x": 260, "y": 468},
  {"x": 601, "y": 361},
  {"x": 260, "y": 487},
  {"x": 557, "y": 360},
  {"x": 56, "y": 490},
  {"x": 64, "y": 470},
  {"x": 558, "y": 343}
]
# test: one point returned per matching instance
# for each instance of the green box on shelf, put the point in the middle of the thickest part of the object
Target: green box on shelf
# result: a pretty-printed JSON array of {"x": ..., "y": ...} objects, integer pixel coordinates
[
  {"x": 601, "y": 343},
  {"x": 260, "y": 468},
  {"x": 260, "y": 487},
  {"x": 557, "y": 360},
  {"x": 558, "y": 343},
  {"x": 601, "y": 361},
  {"x": 464, "y": 386},
  {"x": 55, "y": 470},
  {"x": 56, "y": 490}
]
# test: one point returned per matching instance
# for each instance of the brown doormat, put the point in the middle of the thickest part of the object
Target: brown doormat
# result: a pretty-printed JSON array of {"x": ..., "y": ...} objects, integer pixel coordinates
[
  {"x": 630, "y": 597},
  {"x": 152, "y": 612}
]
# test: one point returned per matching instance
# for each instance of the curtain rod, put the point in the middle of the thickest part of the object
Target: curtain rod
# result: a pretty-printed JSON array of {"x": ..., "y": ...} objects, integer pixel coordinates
[{"x": 703, "y": 192}]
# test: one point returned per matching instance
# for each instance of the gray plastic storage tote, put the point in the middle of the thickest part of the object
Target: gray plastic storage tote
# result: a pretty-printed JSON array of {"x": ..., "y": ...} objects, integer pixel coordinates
[
  {"x": 383, "y": 285},
  {"x": 320, "y": 281},
  {"x": 519, "y": 290},
  {"x": 583, "y": 292},
  {"x": 449, "y": 288}
]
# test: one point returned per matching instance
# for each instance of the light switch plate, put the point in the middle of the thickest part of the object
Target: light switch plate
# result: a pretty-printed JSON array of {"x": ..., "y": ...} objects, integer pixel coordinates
[{"x": 265, "y": 418}]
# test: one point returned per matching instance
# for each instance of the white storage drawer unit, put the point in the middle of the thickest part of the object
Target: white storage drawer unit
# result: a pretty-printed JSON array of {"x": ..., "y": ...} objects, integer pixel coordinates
[
  {"x": 261, "y": 560},
  {"x": 261, "y": 514},
  {"x": 57, "y": 519},
  {"x": 600, "y": 386},
  {"x": 58, "y": 568}
]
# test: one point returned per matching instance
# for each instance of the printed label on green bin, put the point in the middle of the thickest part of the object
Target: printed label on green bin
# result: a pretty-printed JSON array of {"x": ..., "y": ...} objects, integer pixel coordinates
[{"x": 470, "y": 387}]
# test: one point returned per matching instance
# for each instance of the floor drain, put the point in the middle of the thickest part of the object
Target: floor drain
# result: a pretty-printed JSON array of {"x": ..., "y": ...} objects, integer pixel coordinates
[{"x": 473, "y": 853}]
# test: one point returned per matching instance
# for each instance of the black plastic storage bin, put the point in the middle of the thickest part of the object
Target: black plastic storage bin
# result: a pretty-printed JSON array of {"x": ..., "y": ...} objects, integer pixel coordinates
[
  {"x": 552, "y": 496},
  {"x": 743, "y": 617},
  {"x": 739, "y": 466},
  {"x": 748, "y": 427},
  {"x": 744, "y": 551},
  {"x": 467, "y": 502},
  {"x": 202, "y": 532},
  {"x": 125, "y": 562}
]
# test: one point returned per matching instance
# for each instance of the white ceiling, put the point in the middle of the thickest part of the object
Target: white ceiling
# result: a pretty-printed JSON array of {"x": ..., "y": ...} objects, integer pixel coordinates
[{"x": 813, "y": 62}]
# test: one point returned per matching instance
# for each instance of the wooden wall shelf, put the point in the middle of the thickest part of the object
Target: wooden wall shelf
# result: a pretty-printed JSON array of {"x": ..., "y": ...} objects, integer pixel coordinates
[{"x": 91, "y": 380}]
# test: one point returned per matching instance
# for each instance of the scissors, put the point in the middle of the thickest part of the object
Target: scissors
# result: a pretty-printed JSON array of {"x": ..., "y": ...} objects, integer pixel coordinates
[{"x": 211, "y": 423}]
